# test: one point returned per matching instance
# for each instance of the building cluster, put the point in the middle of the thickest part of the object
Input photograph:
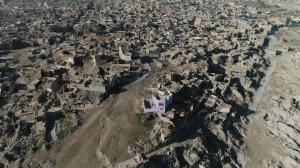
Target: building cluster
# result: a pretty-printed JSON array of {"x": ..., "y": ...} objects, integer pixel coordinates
[
  {"x": 71, "y": 54},
  {"x": 210, "y": 55}
]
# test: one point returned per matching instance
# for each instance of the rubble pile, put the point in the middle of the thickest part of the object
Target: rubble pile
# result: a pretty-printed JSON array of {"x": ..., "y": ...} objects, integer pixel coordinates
[
  {"x": 67, "y": 63},
  {"x": 73, "y": 54}
]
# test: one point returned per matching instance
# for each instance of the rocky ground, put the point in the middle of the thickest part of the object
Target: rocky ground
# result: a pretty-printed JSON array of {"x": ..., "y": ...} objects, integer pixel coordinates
[
  {"x": 263, "y": 134},
  {"x": 272, "y": 139},
  {"x": 106, "y": 133},
  {"x": 260, "y": 130}
]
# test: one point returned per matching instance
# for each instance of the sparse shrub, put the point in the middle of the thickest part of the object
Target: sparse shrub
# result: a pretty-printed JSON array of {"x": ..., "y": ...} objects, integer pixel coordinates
[
  {"x": 36, "y": 148},
  {"x": 141, "y": 117},
  {"x": 61, "y": 134}
]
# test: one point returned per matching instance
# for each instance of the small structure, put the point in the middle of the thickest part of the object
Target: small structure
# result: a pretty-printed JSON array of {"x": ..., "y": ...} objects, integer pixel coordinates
[
  {"x": 95, "y": 93},
  {"x": 126, "y": 58},
  {"x": 159, "y": 102},
  {"x": 33, "y": 85},
  {"x": 137, "y": 161}
]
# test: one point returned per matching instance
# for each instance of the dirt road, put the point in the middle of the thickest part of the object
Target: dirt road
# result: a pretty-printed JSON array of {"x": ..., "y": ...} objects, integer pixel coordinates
[{"x": 273, "y": 136}]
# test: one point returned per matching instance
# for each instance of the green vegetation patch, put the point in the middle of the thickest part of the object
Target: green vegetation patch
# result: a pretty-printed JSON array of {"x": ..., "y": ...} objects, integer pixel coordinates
[
  {"x": 66, "y": 126},
  {"x": 156, "y": 94},
  {"x": 143, "y": 119},
  {"x": 67, "y": 122},
  {"x": 148, "y": 126},
  {"x": 61, "y": 134},
  {"x": 36, "y": 148},
  {"x": 295, "y": 27}
]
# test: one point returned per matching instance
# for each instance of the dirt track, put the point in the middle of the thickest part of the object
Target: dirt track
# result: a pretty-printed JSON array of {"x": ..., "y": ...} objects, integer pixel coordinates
[{"x": 272, "y": 139}]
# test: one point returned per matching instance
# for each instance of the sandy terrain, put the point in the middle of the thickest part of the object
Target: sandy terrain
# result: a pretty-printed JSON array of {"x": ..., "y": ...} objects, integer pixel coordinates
[{"x": 273, "y": 134}]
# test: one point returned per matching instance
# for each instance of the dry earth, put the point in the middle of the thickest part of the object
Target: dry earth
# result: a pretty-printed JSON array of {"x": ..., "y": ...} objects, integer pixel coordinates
[
  {"x": 273, "y": 138},
  {"x": 104, "y": 138}
]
